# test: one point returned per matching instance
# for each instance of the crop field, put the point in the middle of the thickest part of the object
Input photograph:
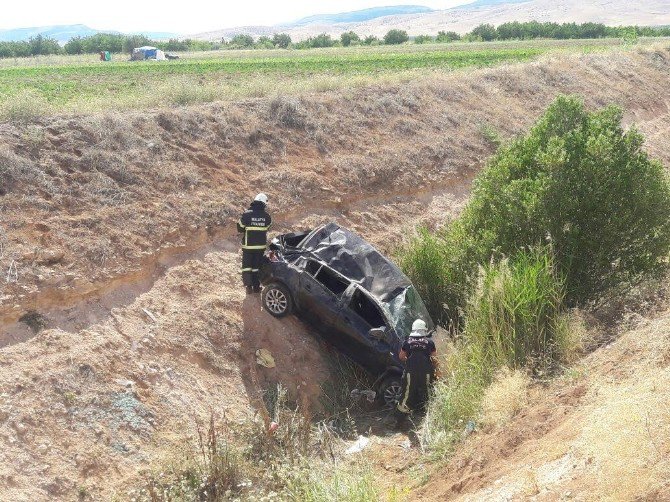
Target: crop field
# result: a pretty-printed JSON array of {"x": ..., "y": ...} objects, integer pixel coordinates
[{"x": 75, "y": 84}]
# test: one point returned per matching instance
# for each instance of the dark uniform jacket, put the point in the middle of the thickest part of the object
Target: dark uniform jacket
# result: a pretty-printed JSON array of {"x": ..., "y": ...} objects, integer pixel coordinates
[
  {"x": 418, "y": 352},
  {"x": 254, "y": 224}
]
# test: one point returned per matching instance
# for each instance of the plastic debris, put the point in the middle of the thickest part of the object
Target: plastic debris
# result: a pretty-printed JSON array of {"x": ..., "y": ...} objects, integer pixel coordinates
[
  {"x": 273, "y": 427},
  {"x": 264, "y": 358},
  {"x": 150, "y": 315},
  {"x": 361, "y": 443}
]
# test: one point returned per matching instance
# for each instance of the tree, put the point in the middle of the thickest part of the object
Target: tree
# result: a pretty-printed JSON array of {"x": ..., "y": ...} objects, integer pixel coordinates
[
  {"x": 281, "y": 40},
  {"x": 370, "y": 40},
  {"x": 447, "y": 36},
  {"x": 132, "y": 41},
  {"x": 74, "y": 46},
  {"x": 578, "y": 183},
  {"x": 395, "y": 37},
  {"x": 423, "y": 39},
  {"x": 485, "y": 32},
  {"x": 42, "y": 46},
  {"x": 322, "y": 40},
  {"x": 242, "y": 40},
  {"x": 349, "y": 38},
  {"x": 264, "y": 43}
]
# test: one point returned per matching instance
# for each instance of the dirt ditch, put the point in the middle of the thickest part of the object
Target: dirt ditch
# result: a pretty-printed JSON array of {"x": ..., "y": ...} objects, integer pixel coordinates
[{"x": 121, "y": 229}]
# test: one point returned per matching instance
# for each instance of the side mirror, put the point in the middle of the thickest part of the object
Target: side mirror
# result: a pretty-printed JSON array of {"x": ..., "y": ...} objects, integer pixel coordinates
[{"x": 377, "y": 333}]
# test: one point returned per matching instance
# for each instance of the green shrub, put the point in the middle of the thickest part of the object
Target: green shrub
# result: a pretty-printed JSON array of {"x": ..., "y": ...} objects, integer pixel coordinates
[
  {"x": 349, "y": 38},
  {"x": 515, "y": 316},
  {"x": 424, "y": 259},
  {"x": 579, "y": 181},
  {"x": 447, "y": 36},
  {"x": 423, "y": 39},
  {"x": 281, "y": 40},
  {"x": 395, "y": 37}
]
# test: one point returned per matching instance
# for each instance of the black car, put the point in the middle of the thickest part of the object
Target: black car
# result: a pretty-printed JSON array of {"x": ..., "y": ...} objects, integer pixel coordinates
[{"x": 358, "y": 300}]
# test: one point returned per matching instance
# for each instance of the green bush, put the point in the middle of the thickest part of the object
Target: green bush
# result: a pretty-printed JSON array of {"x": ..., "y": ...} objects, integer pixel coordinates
[
  {"x": 579, "y": 181},
  {"x": 425, "y": 261},
  {"x": 349, "y": 38},
  {"x": 423, "y": 39},
  {"x": 395, "y": 37},
  {"x": 281, "y": 40},
  {"x": 447, "y": 36},
  {"x": 242, "y": 40}
]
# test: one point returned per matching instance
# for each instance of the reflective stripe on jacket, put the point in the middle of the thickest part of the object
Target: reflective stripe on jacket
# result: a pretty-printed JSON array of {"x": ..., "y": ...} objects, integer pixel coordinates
[{"x": 254, "y": 225}]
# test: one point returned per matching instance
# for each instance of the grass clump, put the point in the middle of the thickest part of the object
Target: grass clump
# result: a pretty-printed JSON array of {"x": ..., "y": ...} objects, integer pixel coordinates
[
  {"x": 344, "y": 484},
  {"x": 24, "y": 107},
  {"x": 505, "y": 397},
  {"x": 213, "y": 471},
  {"x": 514, "y": 319}
]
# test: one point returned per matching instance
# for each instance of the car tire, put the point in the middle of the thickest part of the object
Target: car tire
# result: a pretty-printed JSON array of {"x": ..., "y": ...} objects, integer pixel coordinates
[
  {"x": 390, "y": 390},
  {"x": 277, "y": 300}
]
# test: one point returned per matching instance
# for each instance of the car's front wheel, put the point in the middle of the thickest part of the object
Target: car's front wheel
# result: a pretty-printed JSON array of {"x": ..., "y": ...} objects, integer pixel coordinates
[
  {"x": 390, "y": 391},
  {"x": 277, "y": 300}
]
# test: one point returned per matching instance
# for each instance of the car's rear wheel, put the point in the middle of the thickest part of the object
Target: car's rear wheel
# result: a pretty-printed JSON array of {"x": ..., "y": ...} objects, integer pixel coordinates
[
  {"x": 390, "y": 391},
  {"x": 277, "y": 300}
]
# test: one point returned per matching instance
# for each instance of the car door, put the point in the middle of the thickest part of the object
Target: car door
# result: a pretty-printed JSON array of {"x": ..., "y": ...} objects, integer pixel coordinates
[
  {"x": 360, "y": 314},
  {"x": 318, "y": 295}
]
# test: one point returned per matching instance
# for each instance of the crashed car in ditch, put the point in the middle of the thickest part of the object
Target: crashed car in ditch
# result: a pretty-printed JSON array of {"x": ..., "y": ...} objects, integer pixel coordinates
[{"x": 359, "y": 301}]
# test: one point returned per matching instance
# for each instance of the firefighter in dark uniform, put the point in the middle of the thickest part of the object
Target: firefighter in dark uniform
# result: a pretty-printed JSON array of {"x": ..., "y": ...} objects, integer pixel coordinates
[
  {"x": 253, "y": 225},
  {"x": 417, "y": 353}
]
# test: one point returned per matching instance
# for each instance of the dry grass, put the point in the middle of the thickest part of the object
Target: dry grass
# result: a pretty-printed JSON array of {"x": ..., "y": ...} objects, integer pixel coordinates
[
  {"x": 505, "y": 397},
  {"x": 627, "y": 434},
  {"x": 24, "y": 107}
]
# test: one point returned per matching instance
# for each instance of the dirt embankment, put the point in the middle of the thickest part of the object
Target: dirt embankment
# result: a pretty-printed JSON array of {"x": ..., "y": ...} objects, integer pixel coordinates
[
  {"x": 117, "y": 233},
  {"x": 602, "y": 432}
]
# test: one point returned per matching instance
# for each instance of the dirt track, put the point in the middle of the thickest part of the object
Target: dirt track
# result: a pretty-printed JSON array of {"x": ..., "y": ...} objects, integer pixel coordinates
[{"x": 106, "y": 389}]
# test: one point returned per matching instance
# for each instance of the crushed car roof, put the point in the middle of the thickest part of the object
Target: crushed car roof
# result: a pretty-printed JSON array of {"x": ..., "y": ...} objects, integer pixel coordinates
[{"x": 351, "y": 256}]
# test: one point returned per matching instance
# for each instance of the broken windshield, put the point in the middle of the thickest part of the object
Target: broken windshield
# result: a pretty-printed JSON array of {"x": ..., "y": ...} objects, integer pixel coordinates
[{"x": 405, "y": 308}]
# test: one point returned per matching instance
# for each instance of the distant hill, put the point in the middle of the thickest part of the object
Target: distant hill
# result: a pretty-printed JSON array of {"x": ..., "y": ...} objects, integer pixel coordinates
[
  {"x": 63, "y": 33},
  {"x": 488, "y": 3},
  {"x": 464, "y": 18},
  {"x": 359, "y": 16}
]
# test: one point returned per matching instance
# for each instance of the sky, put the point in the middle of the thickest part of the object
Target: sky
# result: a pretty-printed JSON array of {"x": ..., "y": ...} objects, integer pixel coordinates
[{"x": 193, "y": 16}]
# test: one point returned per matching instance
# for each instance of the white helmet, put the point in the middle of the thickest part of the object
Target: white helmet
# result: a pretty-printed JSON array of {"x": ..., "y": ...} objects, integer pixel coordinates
[
  {"x": 419, "y": 329},
  {"x": 261, "y": 197}
]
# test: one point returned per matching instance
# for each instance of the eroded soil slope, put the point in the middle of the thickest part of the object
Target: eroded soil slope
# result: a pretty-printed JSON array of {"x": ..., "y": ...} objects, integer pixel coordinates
[
  {"x": 118, "y": 242},
  {"x": 600, "y": 433}
]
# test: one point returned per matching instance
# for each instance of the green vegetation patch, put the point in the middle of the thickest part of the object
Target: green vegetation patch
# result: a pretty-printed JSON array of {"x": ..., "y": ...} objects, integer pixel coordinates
[
  {"x": 578, "y": 182},
  {"x": 76, "y": 86}
]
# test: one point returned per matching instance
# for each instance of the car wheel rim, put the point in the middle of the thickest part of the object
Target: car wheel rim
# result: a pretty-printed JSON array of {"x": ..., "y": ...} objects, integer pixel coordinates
[
  {"x": 392, "y": 394},
  {"x": 276, "y": 301}
]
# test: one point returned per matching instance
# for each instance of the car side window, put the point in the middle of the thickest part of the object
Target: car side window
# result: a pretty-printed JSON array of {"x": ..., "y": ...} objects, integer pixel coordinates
[
  {"x": 367, "y": 309},
  {"x": 331, "y": 280},
  {"x": 312, "y": 267}
]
